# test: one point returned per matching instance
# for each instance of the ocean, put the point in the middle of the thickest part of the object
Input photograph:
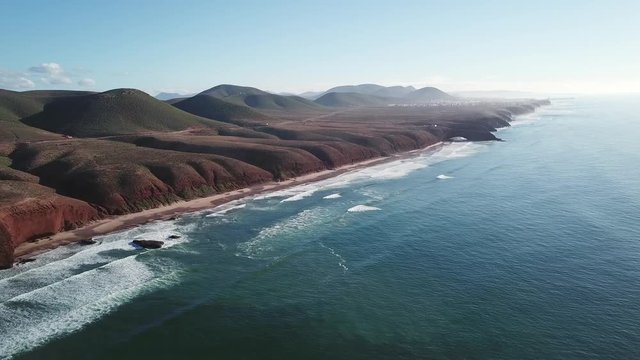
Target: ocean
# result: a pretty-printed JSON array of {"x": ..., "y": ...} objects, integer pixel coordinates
[{"x": 522, "y": 249}]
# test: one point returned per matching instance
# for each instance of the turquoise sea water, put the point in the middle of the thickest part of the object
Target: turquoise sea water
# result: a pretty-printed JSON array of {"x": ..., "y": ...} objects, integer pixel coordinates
[{"x": 528, "y": 248}]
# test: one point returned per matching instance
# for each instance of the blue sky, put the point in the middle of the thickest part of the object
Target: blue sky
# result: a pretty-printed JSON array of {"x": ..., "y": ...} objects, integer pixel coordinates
[{"x": 544, "y": 46}]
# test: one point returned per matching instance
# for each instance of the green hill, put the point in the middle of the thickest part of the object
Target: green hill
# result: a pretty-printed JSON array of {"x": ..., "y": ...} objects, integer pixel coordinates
[
  {"x": 227, "y": 90},
  {"x": 50, "y": 95},
  {"x": 334, "y": 99},
  {"x": 216, "y": 109},
  {"x": 259, "y": 99},
  {"x": 114, "y": 112},
  {"x": 13, "y": 107}
]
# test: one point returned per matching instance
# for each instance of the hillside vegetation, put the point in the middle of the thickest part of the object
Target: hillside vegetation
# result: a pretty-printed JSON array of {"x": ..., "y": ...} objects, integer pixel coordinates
[
  {"x": 258, "y": 99},
  {"x": 120, "y": 111},
  {"x": 346, "y": 99},
  {"x": 213, "y": 108}
]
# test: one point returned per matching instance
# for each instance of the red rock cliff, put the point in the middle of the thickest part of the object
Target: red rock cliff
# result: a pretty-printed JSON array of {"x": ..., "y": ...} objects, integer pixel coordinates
[{"x": 37, "y": 217}]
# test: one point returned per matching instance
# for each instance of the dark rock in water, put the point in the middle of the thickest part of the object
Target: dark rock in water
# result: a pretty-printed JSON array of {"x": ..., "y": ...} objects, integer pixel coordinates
[
  {"x": 6, "y": 254},
  {"x": 87, "y": 242},
  {"x": 148, "y": 244},
  {"x": 25, "y": 260},
  {"x": 175, "y": 236}
]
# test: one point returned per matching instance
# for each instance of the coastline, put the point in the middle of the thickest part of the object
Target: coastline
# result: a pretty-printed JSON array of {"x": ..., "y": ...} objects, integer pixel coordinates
[{"x": 121, "y": 222}]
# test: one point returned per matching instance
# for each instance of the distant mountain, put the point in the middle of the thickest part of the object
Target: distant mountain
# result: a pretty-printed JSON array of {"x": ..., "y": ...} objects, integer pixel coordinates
[
  {"x": 427, "y": 94},
  {"x": 395, "y": 91},
  {"x": 373, "y": 89},
  {"x": 377, "y": 95},
  {"x": 164, "y": 96},
  {"x": 259, "y": 99},
  {"x": 114, "y": 112},
  {"x": 311, "y": 94},
  {"x": 368, "y": 89},
  {"x": 337, "y": 99},
  {"x": 227, "y": 90}
]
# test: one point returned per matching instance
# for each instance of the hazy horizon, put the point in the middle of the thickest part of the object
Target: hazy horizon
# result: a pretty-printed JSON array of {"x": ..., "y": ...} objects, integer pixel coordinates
[{"x": 547, "y": 48}]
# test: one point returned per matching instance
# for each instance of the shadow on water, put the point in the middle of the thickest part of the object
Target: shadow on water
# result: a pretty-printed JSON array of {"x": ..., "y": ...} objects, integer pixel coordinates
[{"x": 237, "y": 331}]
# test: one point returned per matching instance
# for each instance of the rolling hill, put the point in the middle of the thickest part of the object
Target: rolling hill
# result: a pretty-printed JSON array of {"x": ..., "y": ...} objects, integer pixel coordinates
[
  {"x": 259, "y": 99},
  {"x": 114, "y": 112},
  {"x": 213, "y": 108},
  {"x": 337, "y": 99},
  {"x": 15, "y": 106}
]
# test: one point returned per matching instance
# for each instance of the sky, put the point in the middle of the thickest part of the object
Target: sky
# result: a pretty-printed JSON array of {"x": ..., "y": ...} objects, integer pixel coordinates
[{"x": 559, "y": 46}]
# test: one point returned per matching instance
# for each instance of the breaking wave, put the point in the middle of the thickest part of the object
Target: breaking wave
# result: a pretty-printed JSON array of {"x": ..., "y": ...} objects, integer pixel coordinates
[
  {"x": 224, "y": 209},
  {"x": 278, "y": 239},
  {"x": 381, "y": 172},
  {"x": 363, "y": 208},
  {"x": 72, "y": 286},
  {"x": 333, "y": 196},
  {"x": 302, "y": 195}
]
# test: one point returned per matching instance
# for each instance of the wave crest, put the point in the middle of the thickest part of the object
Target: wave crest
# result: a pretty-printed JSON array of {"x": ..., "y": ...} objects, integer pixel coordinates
[{"x": 363, "y": 208}]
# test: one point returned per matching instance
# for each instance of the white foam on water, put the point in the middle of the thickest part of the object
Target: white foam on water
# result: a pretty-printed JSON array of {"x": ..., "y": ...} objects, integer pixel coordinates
[
  {"x": 294, "y": 193},
  {"x": 341, "y": 261},
  {"x": 224, "y": 209},
  {"x": 72, "y": 286},
  {"x": 31, "y": 319},
  {"x": 524, "y": 119},
  {"x": 443, "y": 177},
  {"x": 372, "y": 193},
  {"x": 363, "y": 208},
  {"x": 521, "y": 122},
  {"x": 456, "y": 151},
  {"x": 544, "y": 111},
  {"x": 382, "y": 172},
  {"x": 275, "y": 240},
  {"x": 333, "y": 196},
  {"x": 302, "y": 195}
]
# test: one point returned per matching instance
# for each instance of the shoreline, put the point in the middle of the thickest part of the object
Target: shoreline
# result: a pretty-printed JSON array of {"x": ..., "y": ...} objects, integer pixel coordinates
[{"x": 121, "y": 222}]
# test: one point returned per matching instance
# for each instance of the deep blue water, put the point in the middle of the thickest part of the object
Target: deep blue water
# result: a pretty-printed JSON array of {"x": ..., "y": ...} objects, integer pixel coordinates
[{"x": 530, "y": 249}]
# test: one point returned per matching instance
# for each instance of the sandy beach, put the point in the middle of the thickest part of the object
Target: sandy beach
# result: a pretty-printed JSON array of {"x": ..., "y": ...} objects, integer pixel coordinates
[{"x": 121, "y": 222}]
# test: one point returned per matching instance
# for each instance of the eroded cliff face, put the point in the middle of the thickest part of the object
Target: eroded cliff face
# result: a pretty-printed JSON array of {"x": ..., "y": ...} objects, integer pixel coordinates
[
  {"x": 120, "y": 178},
  {"x": 32, "y": 218}
]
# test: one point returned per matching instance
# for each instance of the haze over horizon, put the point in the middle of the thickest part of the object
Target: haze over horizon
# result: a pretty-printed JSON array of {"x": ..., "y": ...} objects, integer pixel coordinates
[{"x": 161, "y": 46}]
